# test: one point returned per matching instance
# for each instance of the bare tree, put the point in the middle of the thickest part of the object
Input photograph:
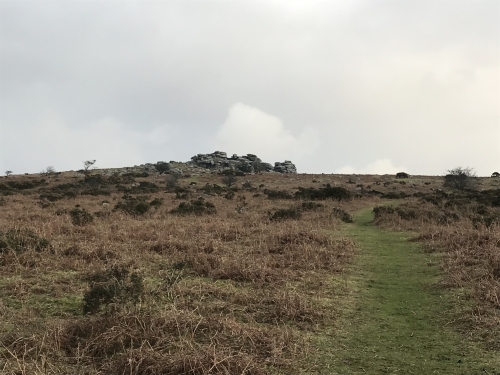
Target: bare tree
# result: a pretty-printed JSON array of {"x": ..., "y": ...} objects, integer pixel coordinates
[
  {"x": 87, "y": 164},
  {"x": 460, "y": 178},
  {"x": 49, "y": 171},
  {"x": 8, "y": 173}
]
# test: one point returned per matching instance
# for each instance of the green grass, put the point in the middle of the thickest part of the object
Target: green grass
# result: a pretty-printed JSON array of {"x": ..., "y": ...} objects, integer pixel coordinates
[{"x": 394, "y": 320}]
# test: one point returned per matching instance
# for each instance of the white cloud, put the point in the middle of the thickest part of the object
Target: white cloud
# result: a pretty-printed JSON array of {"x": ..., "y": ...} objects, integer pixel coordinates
[
  {"x": 249, "y": 130},
  {"x": 379, "y": 166}
]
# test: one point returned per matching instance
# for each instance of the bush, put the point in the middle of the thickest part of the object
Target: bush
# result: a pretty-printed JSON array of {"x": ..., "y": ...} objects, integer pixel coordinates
[
  {"x": 460, "y": 179},
  {"x": 229, "y": 180},
  {"x": 285, "y": 214},
  {"x": 278, "y": 194},
  {"x": 115, "y": 285},
  {"x": 402, "y": 175},
  {"x": 195, "y": 207},
  {"x": 162, "y": 167},
  {"x": 144, "y": 187},
  {"x": 172, "y": 181},
  {"x": 328, "y": 192},
  {"x": 135, "y": 206},
  {"x": 20, "y": 240},
  {"x": 495, "y": 174},
  {"x": 311, "y": 206},
  {"x": 343, "y": 215},
  {"x": 80, "y": 216}
]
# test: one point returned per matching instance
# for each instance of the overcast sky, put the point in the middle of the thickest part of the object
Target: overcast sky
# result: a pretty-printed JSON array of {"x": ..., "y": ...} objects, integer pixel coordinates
[{"x": 335, "y": 86}]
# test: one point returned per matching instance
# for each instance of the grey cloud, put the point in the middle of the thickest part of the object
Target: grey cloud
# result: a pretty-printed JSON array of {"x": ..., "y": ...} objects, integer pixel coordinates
[{"x": 413, "y": 82}]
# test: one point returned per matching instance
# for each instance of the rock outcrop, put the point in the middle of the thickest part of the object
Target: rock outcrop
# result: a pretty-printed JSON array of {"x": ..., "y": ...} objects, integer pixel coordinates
[{"x": 217, "y": 161}]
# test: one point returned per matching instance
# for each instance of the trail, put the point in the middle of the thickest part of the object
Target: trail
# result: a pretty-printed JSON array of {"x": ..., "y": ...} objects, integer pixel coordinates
[{"x": 397, "y": 323}]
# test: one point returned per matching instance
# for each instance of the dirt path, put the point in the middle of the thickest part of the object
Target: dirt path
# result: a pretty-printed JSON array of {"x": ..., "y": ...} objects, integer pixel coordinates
[{"x": 396, "y": 322}]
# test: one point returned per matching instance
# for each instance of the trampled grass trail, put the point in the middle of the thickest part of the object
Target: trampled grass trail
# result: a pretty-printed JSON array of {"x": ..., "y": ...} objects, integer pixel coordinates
[{"x": 396, "y": 321}]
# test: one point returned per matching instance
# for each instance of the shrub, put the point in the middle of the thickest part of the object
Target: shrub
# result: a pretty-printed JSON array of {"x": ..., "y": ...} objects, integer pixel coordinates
[
  {"x": 162, "y": 167},
  {"x": 144, "y": 187},
  {"x": 328, "y": 192},
  {"x": 285, "y": 214},
  {"x": 172, "y": 181},
  {"x": 135, "y": 206},
  {"x": 460, "y": 179},
  {"x": 21, "y": 239},
  {"x": 343, "y": 215},
  {"x": 116, "y": 285},
  {"x": 195, "y": 207},
  {"x": 80, "y": 216},
  {"x": 157, "y": 202},
  {"x": 278, "y": 194},
  {"x": 311, "y": 206},
  {"x": 495, "y": 174},
  {"x": 229, "y": 180},
  {"x": 402, "y": 175}
]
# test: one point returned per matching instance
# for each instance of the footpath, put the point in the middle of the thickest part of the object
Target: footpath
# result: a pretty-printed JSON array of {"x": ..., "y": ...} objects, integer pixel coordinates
[{"x": 397, "y": 320}]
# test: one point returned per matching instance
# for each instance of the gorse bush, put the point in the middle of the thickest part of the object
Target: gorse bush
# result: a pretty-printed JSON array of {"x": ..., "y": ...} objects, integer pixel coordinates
[
  {"x": 277, "y": 194},
  {"x": 80, "y": 216},
  {"x": 328, "y": 192},
  {"x": 20, "y": 240},
  {"x": 116, "y": 285},
  {"x": 135, "y": 206},
  {"x": 460, "y": 179},
  {"x": 195, "y": 207},
  {"x": 343, "y": 215},
  {"x": 311, "y": 206},
  {"x": 293, "y": 213}
]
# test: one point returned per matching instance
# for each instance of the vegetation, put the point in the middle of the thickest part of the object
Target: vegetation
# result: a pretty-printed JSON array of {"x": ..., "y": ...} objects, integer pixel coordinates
[
  {"x": 235, "y": 281},
  {"x": 460, "y": 179}
]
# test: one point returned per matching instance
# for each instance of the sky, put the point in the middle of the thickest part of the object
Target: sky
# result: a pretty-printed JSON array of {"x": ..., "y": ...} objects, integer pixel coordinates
[{"x": 369, "y": 87}]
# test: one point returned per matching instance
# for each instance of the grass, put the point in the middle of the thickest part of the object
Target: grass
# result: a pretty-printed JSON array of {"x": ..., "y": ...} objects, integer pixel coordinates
[{"x": 396, "y": 320}]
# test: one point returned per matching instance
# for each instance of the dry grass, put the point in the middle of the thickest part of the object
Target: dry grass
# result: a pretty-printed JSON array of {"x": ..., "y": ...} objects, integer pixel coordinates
[{"x": 227, "y": 293}]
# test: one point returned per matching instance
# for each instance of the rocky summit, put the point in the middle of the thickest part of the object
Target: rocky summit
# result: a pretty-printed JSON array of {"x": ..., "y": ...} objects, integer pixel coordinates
[
  {"x": 217, "y": 161},
  {"x": 249, "y": 163}
]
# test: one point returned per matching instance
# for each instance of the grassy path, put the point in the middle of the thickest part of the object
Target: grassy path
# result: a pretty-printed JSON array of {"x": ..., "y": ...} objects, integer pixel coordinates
[{"x": 394, "y": 322}]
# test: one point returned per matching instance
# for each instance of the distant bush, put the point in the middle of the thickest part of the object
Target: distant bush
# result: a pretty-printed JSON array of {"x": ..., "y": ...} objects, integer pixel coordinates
[
  {"x": 172, "y": 181},
  {"x": 328, "y": 192},
  {"x": 3, "y": 202},
  {"x": 311, "y": 206},
  {"x": 195, "y": 207},
  {"x": 80, "y": 216},
  {"x": 293, "y": 213},
  {"x": 21, "y": 239},
  {"x": 278, "y": 194},
  {"x": 343, "y": 215},
  {"x": 402, "y": 175},
  {"x": 157, "y": 202},
  {"x": 495, "y": 174},
  {"x": 162, "y": 167},
  {"x": 214, "y": 189},
  {"x": 24, "y": 185},
  {"x": 144, "y": 187},
  {"x": 229, "y": 180},
  {"x": 135, "y": 206},
  {"x": 116, "y": 285},
  {"x": 460, "y": 179}
]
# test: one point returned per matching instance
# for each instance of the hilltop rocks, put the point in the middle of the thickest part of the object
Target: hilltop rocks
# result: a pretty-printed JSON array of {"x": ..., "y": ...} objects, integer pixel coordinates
[
  {"x": 248, "y": 163},
  {"x": 286, "y": 167},
  {"x": 217, "y": 161}
]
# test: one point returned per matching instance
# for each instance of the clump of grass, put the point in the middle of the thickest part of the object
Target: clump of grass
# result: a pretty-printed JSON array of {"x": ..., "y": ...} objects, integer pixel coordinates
[
  {"x": 80, "y": 216},
  {"x": 292, "y": 213},
  {"x": 20, "y": 240},
  {"x": 311, "y": 206},
  {"x": 277, "y": 194},
  {"x": 115, "y": 285},
  {"x": 195, "y": 207},
  {"x": 341, "y": 214}
]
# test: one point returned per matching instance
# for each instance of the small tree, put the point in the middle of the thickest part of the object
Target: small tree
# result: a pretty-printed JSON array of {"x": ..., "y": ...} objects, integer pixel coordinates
[
  {"x": 8, "y": 173},
  {"x": 87, "y": 164},
  {"x": 49, "y": 171},
  {"x": 460, "y": 178},
  {"x": 229, "y": 180},
  {"x": 162, "y": 167}
]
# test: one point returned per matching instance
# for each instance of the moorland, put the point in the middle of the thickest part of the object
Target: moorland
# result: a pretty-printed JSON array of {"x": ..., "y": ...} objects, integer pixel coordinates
[{"x": 264, "y": 273}]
